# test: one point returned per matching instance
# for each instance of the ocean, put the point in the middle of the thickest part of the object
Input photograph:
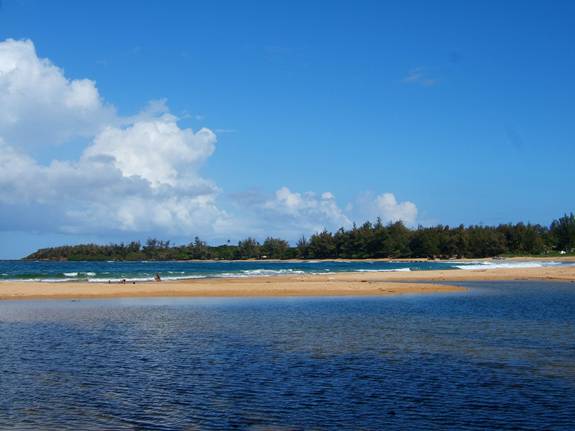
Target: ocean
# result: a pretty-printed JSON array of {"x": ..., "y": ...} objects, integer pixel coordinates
[{"x": 114, "y": 271}]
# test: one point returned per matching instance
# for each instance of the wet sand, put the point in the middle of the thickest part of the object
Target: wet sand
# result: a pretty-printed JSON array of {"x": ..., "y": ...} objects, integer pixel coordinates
[{"x": 340, "y": 284}]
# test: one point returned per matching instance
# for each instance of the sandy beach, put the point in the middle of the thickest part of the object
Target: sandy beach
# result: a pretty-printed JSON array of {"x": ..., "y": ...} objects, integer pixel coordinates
[
  {"x": 337, "y": 285},
  {"x": 340, "y": 284}
]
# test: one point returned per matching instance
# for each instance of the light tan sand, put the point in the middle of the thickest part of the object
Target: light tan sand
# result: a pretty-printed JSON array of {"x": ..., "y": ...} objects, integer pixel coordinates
[
  {"x": 341, "y": 284},
  {"x": 563, "y": 273},
  {"x": 246, "y": 287}
]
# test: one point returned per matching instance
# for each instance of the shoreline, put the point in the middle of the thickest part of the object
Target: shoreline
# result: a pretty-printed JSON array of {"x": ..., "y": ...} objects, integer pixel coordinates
[
  {"x": 335, "y": 284},
  {"x": 570, "y": 258}
]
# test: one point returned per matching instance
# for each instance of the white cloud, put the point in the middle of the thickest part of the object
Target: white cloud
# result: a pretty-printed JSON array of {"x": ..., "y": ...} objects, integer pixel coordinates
[
  {"x": 291, "y": 214},
  {"x": 387, "y": 208},
  {"x": 285, "y": 213},
  {"x": 139, "y": 175},
  {"x": 92, "y": 195},
  {"x": 136, "y": 174},
  {"x": 390, "y": 210},
  {"x": 155, "y": 149},
  {"x": 39, "y": 105},
  {"x": 307, "y": 210}
]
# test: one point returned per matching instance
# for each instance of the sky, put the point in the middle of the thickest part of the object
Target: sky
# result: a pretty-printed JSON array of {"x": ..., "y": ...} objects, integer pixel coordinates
[{"x": 126, "y": 120}]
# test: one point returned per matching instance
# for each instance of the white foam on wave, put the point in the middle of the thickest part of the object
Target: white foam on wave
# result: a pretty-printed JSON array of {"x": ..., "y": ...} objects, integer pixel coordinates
[
  {"x": 54, "y": 280},
  {"x": 270, "y": 272},
  {"x": 230, "y": 275},
  {"x": 184, "y": 277},
  {"x": 76, "y": 274},
  {"x": 385, "y": 270},
  {"x": 505, "y": 265},
  {"x": 242, "y": 274}
]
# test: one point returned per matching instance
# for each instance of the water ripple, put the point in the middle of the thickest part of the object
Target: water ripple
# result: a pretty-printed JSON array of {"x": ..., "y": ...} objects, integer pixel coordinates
[{"x": 498, "y": 359}]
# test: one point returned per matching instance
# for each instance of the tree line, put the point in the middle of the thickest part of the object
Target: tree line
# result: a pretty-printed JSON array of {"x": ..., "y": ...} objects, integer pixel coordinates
[{"x": 370, "y": 240}]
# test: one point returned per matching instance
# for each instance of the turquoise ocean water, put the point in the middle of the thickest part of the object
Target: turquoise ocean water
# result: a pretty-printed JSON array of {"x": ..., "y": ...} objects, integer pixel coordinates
[{"x": 178, "y": 270}]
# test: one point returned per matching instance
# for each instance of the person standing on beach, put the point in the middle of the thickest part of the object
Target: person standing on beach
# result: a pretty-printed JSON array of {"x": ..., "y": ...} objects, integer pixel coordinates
[{"x": 157, "y": 277}]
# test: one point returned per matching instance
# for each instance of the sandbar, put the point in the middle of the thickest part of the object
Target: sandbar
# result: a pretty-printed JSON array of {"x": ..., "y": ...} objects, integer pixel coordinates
[{"x": 336, "y": 284}]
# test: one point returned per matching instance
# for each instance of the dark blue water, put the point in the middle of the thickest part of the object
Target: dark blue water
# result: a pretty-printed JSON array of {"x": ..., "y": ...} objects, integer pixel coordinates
[
  {"x": 145, "y": 271},
  {"x": 501, "y": 356}
]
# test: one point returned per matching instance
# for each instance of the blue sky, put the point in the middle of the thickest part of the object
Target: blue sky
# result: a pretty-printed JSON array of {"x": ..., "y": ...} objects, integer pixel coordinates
[{"x": 320, "y": 114}]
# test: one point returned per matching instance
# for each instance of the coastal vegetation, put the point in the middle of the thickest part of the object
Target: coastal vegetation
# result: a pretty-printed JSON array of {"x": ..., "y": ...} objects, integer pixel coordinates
[{"x": 370, "y": 240}]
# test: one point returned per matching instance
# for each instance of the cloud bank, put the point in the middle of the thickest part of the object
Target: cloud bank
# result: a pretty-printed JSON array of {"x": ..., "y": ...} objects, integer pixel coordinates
[{"x": 139, "y": 175}]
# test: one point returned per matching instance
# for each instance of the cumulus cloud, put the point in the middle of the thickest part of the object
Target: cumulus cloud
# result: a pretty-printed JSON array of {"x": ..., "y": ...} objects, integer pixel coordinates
[
  {"x": 155, "y": 149},
  {"x": 135, "y": 174},
  {"x": 286, "y": 213},
  {"x": 139, "y": 175},
  {"x": 97, "y": 195},
  {"x": 291, "y": 214},
  {"x": 387, "y": 207},
  {"x": 39, "y": 105},
  {"x": 307, "y": 210}
]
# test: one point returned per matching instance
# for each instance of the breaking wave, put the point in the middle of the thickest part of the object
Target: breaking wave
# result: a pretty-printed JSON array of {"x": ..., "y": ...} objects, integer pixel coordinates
[
  {"x": 385, "y": 270},
  {"x": 116, "y": 272},
  {"x": 505, "y": 265}
]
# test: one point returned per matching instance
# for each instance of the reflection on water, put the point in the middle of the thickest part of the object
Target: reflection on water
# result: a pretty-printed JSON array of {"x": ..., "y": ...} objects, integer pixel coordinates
[{"x": 500, "y": 356}]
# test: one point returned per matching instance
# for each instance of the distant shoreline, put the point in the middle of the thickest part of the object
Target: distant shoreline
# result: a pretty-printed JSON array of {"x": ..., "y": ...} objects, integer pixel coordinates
[
  {"x": 337, "y": 284},
  {"x": 568, "y": 258}
]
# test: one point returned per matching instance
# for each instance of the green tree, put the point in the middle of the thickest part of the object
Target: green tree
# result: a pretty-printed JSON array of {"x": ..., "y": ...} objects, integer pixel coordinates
[
  {"x": 425, "y": 243},
  {"x": 249, "y": 248},
  {"x": 397, "y": 244},
  {"x": 275, "y": 248},
  {"x": 322, "y": 246},
  {"x": 563, "y": 232},
  {"x": 302, "y": 248},
  {"x": 485, "y": 242}
]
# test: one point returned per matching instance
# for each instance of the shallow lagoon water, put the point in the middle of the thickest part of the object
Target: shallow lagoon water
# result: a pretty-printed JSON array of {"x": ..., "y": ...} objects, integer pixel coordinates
[{"x": 500, "y": 356}]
